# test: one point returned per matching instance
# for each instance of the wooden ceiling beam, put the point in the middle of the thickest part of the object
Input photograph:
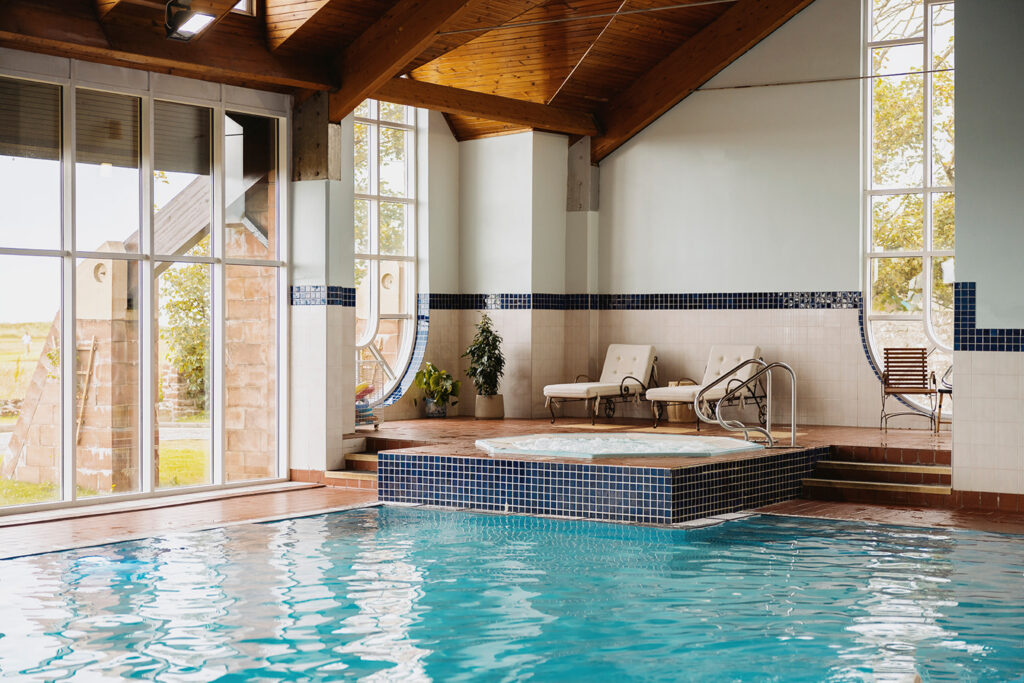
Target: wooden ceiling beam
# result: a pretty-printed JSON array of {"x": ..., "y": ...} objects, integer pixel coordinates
[
  {"x": 76, "y": 32},
  {"x": 287, "y": 20},
  {"x": 483, "y": 105},
  {"x": 688, "y": 67},
  {"x": 381, "y": 51}
]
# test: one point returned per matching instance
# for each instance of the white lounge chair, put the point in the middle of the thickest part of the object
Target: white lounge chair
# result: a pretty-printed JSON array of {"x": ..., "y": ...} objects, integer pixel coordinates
[
  {"x": 627, "y": 372},
  {"x": 720, "y": 360}
]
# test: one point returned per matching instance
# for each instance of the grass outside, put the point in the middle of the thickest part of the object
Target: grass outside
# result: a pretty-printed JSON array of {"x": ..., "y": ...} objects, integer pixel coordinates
[
  {"x": 21, "y": 492},
  {"x": 17, "y": 365},
  {"x": 183, "y": 462}
]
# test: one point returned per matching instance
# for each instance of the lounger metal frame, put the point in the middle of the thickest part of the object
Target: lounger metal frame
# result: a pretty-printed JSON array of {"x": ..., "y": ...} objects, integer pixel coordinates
[{"x": 627, "y": 392}]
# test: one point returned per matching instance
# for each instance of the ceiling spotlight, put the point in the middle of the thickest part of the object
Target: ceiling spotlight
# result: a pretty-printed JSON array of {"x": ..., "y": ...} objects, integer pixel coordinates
[{"x": 182, "y": 23}]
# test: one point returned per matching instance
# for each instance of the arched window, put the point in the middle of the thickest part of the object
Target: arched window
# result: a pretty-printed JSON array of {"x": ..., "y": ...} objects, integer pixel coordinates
[
  {"x": 909, "y": 194},
  {"x": 385, "y": 243}
]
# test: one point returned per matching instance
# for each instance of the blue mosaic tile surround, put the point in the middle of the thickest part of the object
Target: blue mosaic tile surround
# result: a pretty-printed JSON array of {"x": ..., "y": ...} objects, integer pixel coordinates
[
  {"x": 418, "y": 350},
  {"x": 630, "y": 302},
  {"x": 591, "y": 490},
  {"x": 966, "y": 334},
  {"x": 322, "y": 295}
]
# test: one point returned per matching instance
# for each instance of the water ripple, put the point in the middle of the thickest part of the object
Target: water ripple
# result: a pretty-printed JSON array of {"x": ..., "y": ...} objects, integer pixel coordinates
[{"x": 393, "y": 594}]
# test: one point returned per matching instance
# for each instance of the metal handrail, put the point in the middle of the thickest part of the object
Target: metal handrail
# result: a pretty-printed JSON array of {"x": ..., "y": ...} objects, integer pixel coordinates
[
  {"x": 736, "y": 426},
  {"x": 699, "y": 398}
]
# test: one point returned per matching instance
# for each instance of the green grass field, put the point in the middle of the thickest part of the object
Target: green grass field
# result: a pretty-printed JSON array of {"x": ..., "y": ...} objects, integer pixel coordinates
[
  {"x": 17, "y": 365},
  {"x": 182, "y": 463}
]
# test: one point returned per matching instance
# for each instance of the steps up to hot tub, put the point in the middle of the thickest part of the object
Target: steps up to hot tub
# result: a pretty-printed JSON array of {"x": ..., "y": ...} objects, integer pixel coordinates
[
  {"x": 361, "y": 467},
  {"x": 879, "y": 475}
]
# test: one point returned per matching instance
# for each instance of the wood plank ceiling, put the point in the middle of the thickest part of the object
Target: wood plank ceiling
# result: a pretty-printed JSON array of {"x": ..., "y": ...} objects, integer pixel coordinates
[{"x": 601, "y": 67}]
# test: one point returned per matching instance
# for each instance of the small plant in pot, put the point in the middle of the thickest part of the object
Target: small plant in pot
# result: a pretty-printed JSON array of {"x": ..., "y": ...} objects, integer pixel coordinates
[
  {"x": 486, "y": 366},
  {"x": 439, "y": 389}
]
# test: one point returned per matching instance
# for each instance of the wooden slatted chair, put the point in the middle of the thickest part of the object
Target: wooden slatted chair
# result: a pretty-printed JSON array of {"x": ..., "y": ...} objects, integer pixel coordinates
[{"x": 906, "y": 372}]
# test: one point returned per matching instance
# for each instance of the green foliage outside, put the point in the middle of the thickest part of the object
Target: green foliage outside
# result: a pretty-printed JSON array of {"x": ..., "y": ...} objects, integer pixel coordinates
[
  {"x": 486, "y": 361},
  {"x": 898, "y": 161},
  {"x": 185, "y": 301},
  {"x": 391, "y": 216}
]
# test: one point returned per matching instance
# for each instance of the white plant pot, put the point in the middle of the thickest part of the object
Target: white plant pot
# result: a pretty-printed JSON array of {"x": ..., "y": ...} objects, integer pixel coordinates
[{"x": 490, "y": 407}]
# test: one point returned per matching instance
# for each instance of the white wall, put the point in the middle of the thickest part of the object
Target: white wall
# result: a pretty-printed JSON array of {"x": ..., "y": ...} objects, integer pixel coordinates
[
  {"x": 438, "y": 187},
  {"x": 989, "y": 150},
  {"x": 550, "y": 170},
  {"x": 988, "y": 431},
  {"x": 753, "y": 189},
  {"x": 495, "y": 213}
]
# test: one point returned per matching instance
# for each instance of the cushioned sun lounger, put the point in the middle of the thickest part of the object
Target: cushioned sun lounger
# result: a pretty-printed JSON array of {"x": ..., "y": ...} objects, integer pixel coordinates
[
  {"x": 720, "y": 361},
  {"x": 627, "y": 372}
]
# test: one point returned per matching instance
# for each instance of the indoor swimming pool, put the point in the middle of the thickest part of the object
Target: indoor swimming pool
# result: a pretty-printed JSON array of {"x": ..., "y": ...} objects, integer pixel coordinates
[
  {"x": 589, "y": 446},
  {"x": 406, "y": 594}
]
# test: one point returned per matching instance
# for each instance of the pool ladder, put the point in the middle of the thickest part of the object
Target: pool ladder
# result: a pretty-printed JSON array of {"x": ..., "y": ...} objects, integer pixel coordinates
[{"x": 736, "y": 386}]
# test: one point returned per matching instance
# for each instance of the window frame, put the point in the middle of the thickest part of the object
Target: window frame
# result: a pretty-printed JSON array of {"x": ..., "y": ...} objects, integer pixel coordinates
[
  {"x": 374, "y": 257},
  {"x": 927, "y": 189},
  {"x": 146, "y": 260}
]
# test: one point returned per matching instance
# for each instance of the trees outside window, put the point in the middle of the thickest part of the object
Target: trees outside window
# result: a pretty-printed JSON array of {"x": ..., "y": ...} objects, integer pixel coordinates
[
  {"x": 385, "y": 243},
  {"x": 910, "y": 177}
]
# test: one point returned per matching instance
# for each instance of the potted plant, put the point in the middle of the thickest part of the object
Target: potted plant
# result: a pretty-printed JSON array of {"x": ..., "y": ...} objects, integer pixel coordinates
[
  {"x": 486, "y": 366},
  {"x": 439, "y": 388}
]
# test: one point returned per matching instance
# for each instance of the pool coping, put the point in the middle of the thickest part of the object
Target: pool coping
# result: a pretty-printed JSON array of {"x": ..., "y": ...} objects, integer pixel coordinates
[{"x": 191, "y": 529}]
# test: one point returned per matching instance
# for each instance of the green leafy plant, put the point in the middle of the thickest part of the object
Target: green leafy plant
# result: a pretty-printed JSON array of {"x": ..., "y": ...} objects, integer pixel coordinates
[
  {"x": 486, "y": 362},
  {"x": 437, "y": 385},
  {"x": 185, "y": 300}
]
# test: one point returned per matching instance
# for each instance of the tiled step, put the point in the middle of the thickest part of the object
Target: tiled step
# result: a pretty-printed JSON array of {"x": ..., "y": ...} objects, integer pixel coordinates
[
  {"x": 351, "y": 479},
  {"x": 884, "y": 472},
  {"x": 361, "y": 462},
  {"x": 892, "y": 456},
  {"x": 877, "y": 492}
]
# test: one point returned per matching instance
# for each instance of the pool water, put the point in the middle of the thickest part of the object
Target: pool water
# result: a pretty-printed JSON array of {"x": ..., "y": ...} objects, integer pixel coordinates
[
  {"x": 588, "y": 446},
  {"x": 411, "y": 594}
]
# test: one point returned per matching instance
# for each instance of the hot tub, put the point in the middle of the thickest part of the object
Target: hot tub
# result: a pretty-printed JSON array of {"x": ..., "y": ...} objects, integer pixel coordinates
[{"x": 587, "y": 446}]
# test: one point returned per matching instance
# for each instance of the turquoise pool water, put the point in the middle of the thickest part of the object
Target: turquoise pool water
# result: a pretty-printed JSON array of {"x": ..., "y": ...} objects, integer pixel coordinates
[{"x": 412, "y": 594}]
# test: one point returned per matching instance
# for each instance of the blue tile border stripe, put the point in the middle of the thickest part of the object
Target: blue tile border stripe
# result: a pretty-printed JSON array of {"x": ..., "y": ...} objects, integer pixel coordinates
[
  {"x": 594, "y": 491},
  {"x": 630, "y": 302},
  {"x": 419, "y": 350},
  {"x": 967, "y": 336},
  {"x": 322, "y": 295}
]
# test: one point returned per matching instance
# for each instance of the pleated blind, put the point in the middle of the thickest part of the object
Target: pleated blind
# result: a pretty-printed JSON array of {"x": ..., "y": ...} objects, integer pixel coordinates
[
  {"x": 106, "y": 128},
  {"x": 181, "y": 138},
  {"x": 29, "y": 119}
]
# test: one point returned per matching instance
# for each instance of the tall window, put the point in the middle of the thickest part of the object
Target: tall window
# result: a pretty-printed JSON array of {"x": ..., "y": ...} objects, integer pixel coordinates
[
  {"x": 139, "y": 293},
  {"x": 385, "y": 243},
  {"x": 909, "y": 196}
]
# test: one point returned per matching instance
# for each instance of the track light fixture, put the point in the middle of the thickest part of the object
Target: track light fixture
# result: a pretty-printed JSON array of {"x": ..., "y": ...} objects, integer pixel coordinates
[{"x": 182, "y": 22}]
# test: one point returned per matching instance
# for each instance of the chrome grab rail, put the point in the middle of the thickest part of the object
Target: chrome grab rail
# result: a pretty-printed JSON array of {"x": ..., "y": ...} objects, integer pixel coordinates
[
  {"x": 698, "y": 400},
  {"x": 735, "y": 425},
  {"x": 728, "y": 376}
]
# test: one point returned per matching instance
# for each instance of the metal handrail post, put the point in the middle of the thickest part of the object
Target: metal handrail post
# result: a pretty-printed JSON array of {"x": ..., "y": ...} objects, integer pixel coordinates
[
  {"x": 736, "y": 426},
  {"x": 725, "y": 376}
]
